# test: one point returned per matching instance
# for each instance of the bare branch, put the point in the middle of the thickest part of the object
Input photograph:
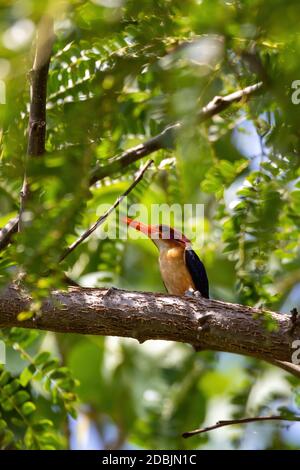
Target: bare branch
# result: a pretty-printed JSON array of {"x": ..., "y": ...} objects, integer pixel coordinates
[
  {"x": 38, "y": 95},
  {"x": 115, "y": 164},
  {"x": 38, "y": 88},
  {"x": 104, "y": 216},
  {"x": 220, "y": 103},
  {"x": 166, "y": 138},
  {"x": 229, "y": 422}
]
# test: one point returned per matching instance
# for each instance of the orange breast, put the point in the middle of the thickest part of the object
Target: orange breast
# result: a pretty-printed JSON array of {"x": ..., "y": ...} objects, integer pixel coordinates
[{"x": 175, "y": 274}]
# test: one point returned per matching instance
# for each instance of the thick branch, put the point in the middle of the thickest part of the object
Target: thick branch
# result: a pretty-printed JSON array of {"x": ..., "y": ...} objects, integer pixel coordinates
[{"x": 229, "y": 327}]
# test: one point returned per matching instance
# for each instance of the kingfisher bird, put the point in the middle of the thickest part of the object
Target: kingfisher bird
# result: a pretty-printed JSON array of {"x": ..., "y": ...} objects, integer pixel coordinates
[{"x": 183, "y": 273}]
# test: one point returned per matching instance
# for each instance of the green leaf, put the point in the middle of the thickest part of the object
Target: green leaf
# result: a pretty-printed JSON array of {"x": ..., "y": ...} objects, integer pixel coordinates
[
  {"x": 29, "y": 438},
  {"x": 20, "y": 397},
  {"x": 50, "y": 365},
  {"x": 19, "y": 423},
  {"x": 10, "y": 388},
  {"x": 42, "y": 425},
  {"x": 4, "y": 377},
  {"x": 26, "y": 375},
  {"x": 28, "y": 408},
  {"x": 22, "y": 316},
  {"x": 3, "y": 425},
  {"x": 7, "y": 404},
  {"x": 41, "y": 358},
  {"x": 7, "y": 439}
]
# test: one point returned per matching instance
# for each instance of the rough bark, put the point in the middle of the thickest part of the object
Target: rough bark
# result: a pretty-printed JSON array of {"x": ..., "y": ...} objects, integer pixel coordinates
[{"x": 112, "y": 312}]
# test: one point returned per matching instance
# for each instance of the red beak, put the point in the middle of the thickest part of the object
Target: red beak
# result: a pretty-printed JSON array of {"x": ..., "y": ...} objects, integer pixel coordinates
[
  {"x": 146, "y": 229},
  {"x": 154, "y": 232}
]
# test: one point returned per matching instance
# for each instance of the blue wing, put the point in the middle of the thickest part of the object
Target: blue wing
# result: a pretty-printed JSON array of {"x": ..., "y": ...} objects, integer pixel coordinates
[{"x": 198, "y": 273}]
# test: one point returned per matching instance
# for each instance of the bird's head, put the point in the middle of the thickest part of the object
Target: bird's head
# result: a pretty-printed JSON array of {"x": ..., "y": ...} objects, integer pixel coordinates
[{"x": 161, "y": 235}]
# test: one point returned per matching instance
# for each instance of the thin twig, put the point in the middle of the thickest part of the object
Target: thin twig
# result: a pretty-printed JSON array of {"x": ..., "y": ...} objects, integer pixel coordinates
[
  {"x": 287, "y": 366},
  {"x": 104, "y": 216},
  {"x": 229, "y": 422}
]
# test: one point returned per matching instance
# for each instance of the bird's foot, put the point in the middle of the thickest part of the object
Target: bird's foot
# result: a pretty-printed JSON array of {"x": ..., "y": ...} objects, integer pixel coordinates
[
  {"x": 109, "y": 291},
  {"x": 192, "y": 293}
]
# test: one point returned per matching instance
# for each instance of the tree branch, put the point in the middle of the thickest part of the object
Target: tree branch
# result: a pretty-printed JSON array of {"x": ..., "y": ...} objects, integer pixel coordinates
[
  {"x": 287, "y": 366},
  {"x": 166, "y": 138},
  {"x": 104, "y": 216},
  {"x": 8, "y": 231},
  {"x": 38, "y": 89},
  {"x": 37, "y": 116},
  {"x": 116, "y": 164},
  {"x": 163, "y": 140},
  {"x": 203, "y": 323},
  {"x": 229, "y": 422},
  {"x": 38, "y": 95}
]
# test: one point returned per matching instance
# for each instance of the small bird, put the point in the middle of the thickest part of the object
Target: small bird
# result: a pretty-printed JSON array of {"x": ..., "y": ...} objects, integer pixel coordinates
[{"x": 181, "y": 269}]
